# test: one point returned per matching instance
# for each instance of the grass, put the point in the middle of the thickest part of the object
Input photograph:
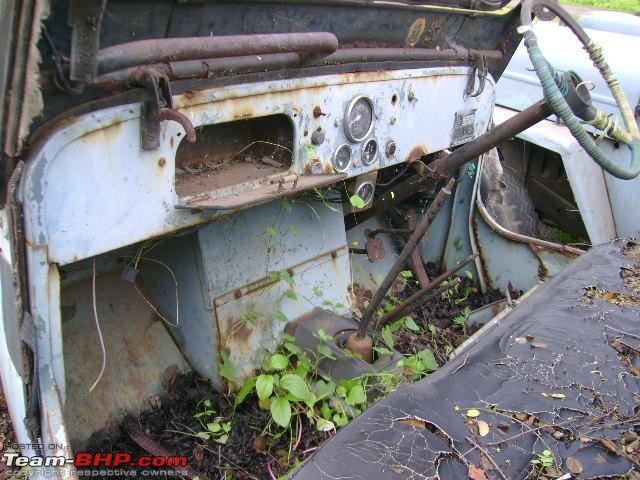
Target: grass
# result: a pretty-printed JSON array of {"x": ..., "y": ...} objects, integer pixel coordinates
[{"x": 631, "y": 6}]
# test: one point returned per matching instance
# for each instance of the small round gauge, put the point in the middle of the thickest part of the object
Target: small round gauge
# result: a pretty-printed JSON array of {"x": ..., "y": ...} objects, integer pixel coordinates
[
  {"x": 365, "y": 192},
  {"x": 369, "y": 151},
  {"x": 342, "y": 158},
  {"x": 358, "y": 119}
]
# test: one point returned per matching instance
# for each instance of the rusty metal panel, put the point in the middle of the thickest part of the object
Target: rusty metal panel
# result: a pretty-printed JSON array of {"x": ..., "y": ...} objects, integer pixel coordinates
[
  {"x": 227, "y": 298},
  {"x": 98, "y": 155}
]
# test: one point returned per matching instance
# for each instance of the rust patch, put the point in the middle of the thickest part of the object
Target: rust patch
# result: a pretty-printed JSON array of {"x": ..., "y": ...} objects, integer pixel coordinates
[
  {"x": 162, "y": 162},
  {"x": 416, "y": 153}
]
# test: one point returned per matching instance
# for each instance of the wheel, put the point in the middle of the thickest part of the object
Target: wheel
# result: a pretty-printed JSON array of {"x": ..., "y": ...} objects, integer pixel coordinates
[{"x": 506, "y": 198}]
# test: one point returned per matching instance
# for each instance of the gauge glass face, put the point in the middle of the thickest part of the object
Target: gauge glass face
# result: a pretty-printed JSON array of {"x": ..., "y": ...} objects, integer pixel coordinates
[
  {"x": 359, "y": 119},
  {"x": 365, "y": 192},
  {"x": 369, "y": 152},
  {"x": 342, "y": 158}
]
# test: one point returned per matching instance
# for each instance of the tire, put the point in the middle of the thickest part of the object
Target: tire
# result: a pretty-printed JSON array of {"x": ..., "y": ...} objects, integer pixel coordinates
[{"x": 506, "y": 198}]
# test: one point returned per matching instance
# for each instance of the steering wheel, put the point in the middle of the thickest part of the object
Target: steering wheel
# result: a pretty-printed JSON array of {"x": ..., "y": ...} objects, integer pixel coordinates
[{"x": 557, "y": 89}]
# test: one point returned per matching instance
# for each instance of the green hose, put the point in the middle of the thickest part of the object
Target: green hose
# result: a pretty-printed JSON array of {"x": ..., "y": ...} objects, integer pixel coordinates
[
  {"x": 558, "y": 103},
  {"x": 560, "y": 107}
]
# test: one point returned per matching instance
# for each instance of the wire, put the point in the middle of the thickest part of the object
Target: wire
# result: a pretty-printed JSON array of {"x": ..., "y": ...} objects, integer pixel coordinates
[
  {"x": 175, "y": 281},
  {"x": 95, "y": 317}
]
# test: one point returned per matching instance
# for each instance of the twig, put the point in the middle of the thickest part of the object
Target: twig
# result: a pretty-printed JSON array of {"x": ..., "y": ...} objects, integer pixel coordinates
[
  {"x": 460, "y": 366},
  {"x": 526, "y": 432},
  {"x": 622, "y": 332},
  {"x": 154, "y": 448},
  {"x": 95, "y": 317},
  {"x": 484, "y": 452}
]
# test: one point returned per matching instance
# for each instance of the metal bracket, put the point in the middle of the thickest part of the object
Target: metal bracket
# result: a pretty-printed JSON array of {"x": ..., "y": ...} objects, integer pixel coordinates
[
  {"x": 158, "y": 107},
  {"x": 480, "y": 68}
]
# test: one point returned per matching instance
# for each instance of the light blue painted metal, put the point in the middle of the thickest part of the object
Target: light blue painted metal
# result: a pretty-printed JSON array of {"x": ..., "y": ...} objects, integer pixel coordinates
[
  {"x": 98, "y": 155},
  {"x": 227, "y": 297}
]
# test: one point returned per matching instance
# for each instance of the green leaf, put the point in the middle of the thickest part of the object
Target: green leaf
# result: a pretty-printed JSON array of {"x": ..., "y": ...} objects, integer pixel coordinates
[
  {"x": 325, "y": 351},
  {"x": 427, "y": 358},
  {"x": 214, "y": 427},
  {"x": 317, "y": 292},
  {"x": 382, "y": 351},
  {"x": 246, "y": 388},
  {"x": 281, "y": 411},
  {"x": 296, "y": 386},
  {"x": 227, "y": 368},
  {"x": 355, "y": 243},
  {"x": 294, "y": 230},
  {"x": 203, "y": 435},
  {"x": 324, "y": 389},
  {"x": 271, "y": 231},
  {"x": 433, "y": 329},
  {"x": 222, "y": 439},
  {"x": 469, "y": 274},
  {"x": 341, "y": 391},
  {"x": 292, "y": 347},
  {"x": 387, "y": 337},
  {"x": 278, "y": 362},
  {"x": 340, "y": 419},
  {"x": 411, "y": 324},
  {"x": 290, "y": 294},
  {"x": 207, "y": 403},
  {"x": 356, "y": 395},
  {"x": 473, "y": 413},
  {"x": 324, "y": 425},
  {"x": 264, "y": 386},
  {"x": 406, "y": 274},
  {"x": 226, "y": 426},
  {"x": 281, "y": 317},
  {"x": 286, "y": 276},
  {"x": 322, "y": 335},
  {"x": 357, "y": 201}
]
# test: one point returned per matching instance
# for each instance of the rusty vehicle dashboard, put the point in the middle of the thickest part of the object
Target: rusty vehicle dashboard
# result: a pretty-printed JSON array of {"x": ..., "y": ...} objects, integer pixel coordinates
[{"x": 254, "y": 143}]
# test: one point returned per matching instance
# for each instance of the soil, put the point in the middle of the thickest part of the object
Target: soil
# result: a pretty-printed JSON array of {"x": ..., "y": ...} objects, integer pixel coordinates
[
  {"x": 248, "y": 453},
  {"x": 250, "y": 450},
  {"x": 7, "y": 437},
  {"x": 440, "y": 313}
]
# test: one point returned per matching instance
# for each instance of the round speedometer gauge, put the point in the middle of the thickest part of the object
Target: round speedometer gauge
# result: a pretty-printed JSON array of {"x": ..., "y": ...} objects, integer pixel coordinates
[{"x": 358, "y": 119}]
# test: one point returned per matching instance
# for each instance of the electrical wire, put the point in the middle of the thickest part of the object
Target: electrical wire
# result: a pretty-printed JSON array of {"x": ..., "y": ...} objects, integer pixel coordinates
[{"x": 95, "y": 317}]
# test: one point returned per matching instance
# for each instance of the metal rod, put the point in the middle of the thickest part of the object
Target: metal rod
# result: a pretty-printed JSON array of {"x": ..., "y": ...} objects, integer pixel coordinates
[
  {"x": 417, "y": 265},
  {"x": 414, "y": 302},
  {"x": 233, "y": 65},
  {"x": 145, "y": 52},
  {"x": 397, "y": 231},
  {"x": 412, "y": 243},
  {"x": 488, "y": 140}
]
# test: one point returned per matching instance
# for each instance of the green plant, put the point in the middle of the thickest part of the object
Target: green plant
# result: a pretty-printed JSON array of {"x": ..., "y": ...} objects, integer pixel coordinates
[
  {"x": 290, "y": 385},
  {"x": 461, "y": 320},
  {"x": 543, "y": 460},
  {"x": 420, "y": 364},
  {"x": 214, "y": 427}
]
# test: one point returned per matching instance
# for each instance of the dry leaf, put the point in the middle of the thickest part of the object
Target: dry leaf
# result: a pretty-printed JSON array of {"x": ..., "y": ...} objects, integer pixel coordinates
[
  {"x": 198, "y": 453},
  {"x": 473, "y": 413},
  {"x": 538, "y": 345},
  {"x": 574, "y": 465},
  {"x": 608, "y": 295},
  {"x": 475, "y": 473},
  {"x": 483, "y": 428},
  {"x": 557, "y": 395},
  {"x": 521, "y": 340},
  {"x": 414, "y": 422}
]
